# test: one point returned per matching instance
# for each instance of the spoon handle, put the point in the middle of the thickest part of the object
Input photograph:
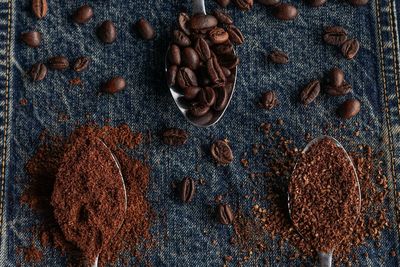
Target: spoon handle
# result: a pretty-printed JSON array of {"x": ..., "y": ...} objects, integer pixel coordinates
[
  {"x": 325, "y": 259},
  {"x": 199, "y": 7}
]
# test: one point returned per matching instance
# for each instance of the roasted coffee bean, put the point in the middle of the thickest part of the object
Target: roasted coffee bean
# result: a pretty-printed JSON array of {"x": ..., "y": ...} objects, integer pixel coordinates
[
  {"x": 183, "y": 23},
  {"x": 226, "y": 71},
  {"x": 186, "y": 78},
  {"x": 335, "y": 35},
  {"x": 32, "y": 39},
  {"x": 207, "y": 96},
  {"x": 221, "y": 152},
  {"x": 218, "y": 36},
  {"x": 174, "y": 55},
  {"x": 244, "y": 5},
  {"x": 235, "y": 35},
  {"x": 315, "y": 3},
  {"x": 38, "y": 72},
  {"x": 222, "y": 17},
  {"x": 114, "y": 85},
  {"x": 214, "y": 70},
  {"x": 229, "y": 61},
  {"x": 39, "y": 8},
  {"x": 83, "y": 14},
  {"x": 223, "y": 3},
  {"x": 310, "y": 92},
  {"x": 200, "y": 22},
  {"x": 198, "y": 109},
  {"x": 180, "y": 38},
  {"x": 336, "y": 77},
  {"x": 222, "y": 97},
  {"x": 358, "y": 2},
  {"x": 285, "y": 11},
  {"x": 269, "y": 100},
  {"x": 145, "y": 30},
  {"x": 340, "y": 90},
  {"x": 187, "y": 189},
  {"x": 58, "y": 63},
  {"x": 225, "y": 214},
  {"x": 107, "y": 32},
  {"x": 81, "y": 64},
  {"x": 269, "y": 2},
  {"x": 349, "y": 108},
  {"x": 190, "y": 93},
  {"x": 223, "y": 49},
  {"x": 190, "y": 58},
  {"x": 174, "y": 137},
  {"x": 202, "y": 49},
  {"x": 278, "y": 57},
  {"x": 171, "y": 75},
  {"x": 350, "y": 48}
]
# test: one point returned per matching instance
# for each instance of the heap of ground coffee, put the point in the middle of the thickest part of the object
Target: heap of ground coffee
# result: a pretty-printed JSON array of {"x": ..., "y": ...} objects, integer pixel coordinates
[
  {"x": 88, "y": 196},
  {"x": 324, "y": 195}
]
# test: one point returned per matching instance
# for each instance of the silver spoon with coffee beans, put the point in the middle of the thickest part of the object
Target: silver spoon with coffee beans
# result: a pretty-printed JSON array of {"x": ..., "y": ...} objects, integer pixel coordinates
[
  {"x": 201, "y": 64},
  {"x": 324, "y": 197}
]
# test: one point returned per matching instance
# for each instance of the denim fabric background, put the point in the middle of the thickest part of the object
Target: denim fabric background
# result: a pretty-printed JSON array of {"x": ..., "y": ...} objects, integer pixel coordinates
[{"x": 147, "y": 105}]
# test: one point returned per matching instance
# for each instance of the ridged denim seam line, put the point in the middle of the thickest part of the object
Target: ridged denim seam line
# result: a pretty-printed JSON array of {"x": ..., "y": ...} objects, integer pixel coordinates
[{"x": 6, "y": 119}]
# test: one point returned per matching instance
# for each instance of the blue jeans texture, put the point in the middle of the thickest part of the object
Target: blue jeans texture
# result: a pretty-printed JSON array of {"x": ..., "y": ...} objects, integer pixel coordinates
[{"x": 147, "y": 105}]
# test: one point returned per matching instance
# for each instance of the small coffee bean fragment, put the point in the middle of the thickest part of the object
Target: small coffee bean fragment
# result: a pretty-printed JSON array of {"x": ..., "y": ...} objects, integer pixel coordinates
[
  {"x": 336, "y": 77},
  {"x": 145, "y": 30},
  {"x": 81, "y": 64},
  {"x": 207, "y": 96},
  {"x": 315, "y": 3},
  {"x": 200, "y": 22},
  {"x": 32, "y": 38},
  {"x": 199, "y": 109},
  {"x": 310, "y": 92},
  {"x": 107, "y": 32},
  {"x": 38, "y": 72},
  {"x": 358, "y": 2},
  {"x": 269, "y": 100},
  {"x": 190, "y": 93},
  {"x": 180, "y": 38},
  {"x": 171, "y": 75},
  {"x": 223, "y": 3},
  {"x": 349, "y": 108},
  {"x": 350, "y": 48},
  {"x": 83, "y": 14},
  {"x": 183, "y": 22},
  {"x": 225, "y": 214},
  {"x": 174, "y": 137},
  {"x": 335, "y": 35},
  {"x": 114, "y": 85},
  {"x": 187, "y": 189},
  {"x": 285, "y": 11},
  {"x": 269, "y": 2},
  {"x": 341, "y": 90},
  {"x": 58, "y": 63},
  {"x": 278, "y": 57},
  {"x": 39, "y": 8},
  {"x": 235, "y": 35},
  {"x": 221, "y": 152},
  {"x": 222, "y": 17},
  {"x": 218, "y": 35},
  {"x": 244, "y": 5}
]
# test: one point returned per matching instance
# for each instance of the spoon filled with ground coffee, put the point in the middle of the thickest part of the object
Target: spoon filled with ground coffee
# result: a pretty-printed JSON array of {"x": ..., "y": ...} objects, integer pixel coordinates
[
  {"x": 324, "y": 196},
  {"x": 89, "y": 196}
]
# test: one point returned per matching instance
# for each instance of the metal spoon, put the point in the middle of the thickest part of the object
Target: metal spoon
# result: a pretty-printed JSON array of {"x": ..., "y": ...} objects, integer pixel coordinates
[
  {"x": 198, "y": 7},
  {"x": 121, "y": 178},
  {"x": 325, "y": 259}
]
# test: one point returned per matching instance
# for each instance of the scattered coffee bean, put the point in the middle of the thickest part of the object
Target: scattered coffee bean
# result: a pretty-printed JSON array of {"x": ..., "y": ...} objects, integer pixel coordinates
[
  {"x": 174, "y": 137},
  {"x": 218, "y": 36},
  {"x": 190, "y": 93},
  {"x": 180, "y": 38},
  {"x": 278, "y": 57},
  {"x": 221, "y": 152},
  {"x": 202, "y": 49},
  {"x": 32, "y": 38},
  {"x": 145, "y": 29},
  {"x": 335, "y": 35},
  {"x": 315, "y": 3},
  {"x": 200, "y": 22},
  {"x": 225, "y": 214},
  {"x": 341, "y": 90},
  {"x": 107, "y": 32},
  {"x": 285, "y": 11},
  {"x": 81, "y": 64},
  {"x": 336, "y": 77},
  {"x": 199, "y": 109},
  {"x": 310, "y": 92},
  {"x": 269, "y": 2},
  {"x": 171, "y": 75},
  {"x": 358, "y": 2},
  {"x": 83, "y": 14},
  {"x": 114, "y": 85},
  {"x": 38, "y": 72},
  {"x": 349, "y": 108},
  {"x": 183, "y": 21},
  {"x": 244, "y": 5},
  {"x": 269, "y": 100},
  {"x": 187, "y": 189},
  {"x": 222, "y": 17},
  {"x": 223, "y": 3},
  {"x": 350, "y": 48},
  {"x": 58, "y": 63},
  {"x": 186, "y": 78},
  {"x": 235, "y": 35},
  {"x": 39, "y": 8},
  {"x": 174, "y": 55},
  {"x": 207, "y": 96}
]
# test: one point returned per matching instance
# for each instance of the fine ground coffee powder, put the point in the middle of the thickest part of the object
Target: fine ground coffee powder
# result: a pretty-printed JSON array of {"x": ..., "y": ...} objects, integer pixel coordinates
[{"x": 324, "y": 195}]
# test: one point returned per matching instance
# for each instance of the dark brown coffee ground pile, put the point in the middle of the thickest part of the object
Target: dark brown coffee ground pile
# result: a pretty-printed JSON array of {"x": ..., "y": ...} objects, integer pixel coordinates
[
  {"x": 324, "y": 195},
  {"x": 88, "y": 197},
  {"x": 42, "y": 169}
]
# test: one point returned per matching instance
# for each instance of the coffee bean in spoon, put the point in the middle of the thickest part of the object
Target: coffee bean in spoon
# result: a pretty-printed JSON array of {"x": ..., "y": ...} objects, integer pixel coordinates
[
  {"x": 235, "y": 35},
  {"x": 202, "y": 49},
  {"x": 200, "y": 22},
  {"x": 171, "y": 75},
  {"x": 180, "y": 38},
  {"x": 174, "y": 55},
  {"x": 183, "y": 23},
  {"x": 83, "y": 14},
  {"x": 223, "y": 17},
  {"x": 190, "y": 58},
  {"x": 145, "y": 30},
  {"x": 207, "y": 96},
  {"x": 199, "y": 109},
  {"x": 185, "y": 77},
  {"x": 218, "y": 35},
  {"x": 222, "y": 98},
  {"x": 107, "y": 32},
  {"x": 190, "y": 93}
]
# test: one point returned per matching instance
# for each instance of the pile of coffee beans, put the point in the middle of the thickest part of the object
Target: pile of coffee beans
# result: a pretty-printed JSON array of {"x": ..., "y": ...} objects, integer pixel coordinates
[
  {"x": 202, "y": 64},
  {"x": 337, "y": 36}
]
